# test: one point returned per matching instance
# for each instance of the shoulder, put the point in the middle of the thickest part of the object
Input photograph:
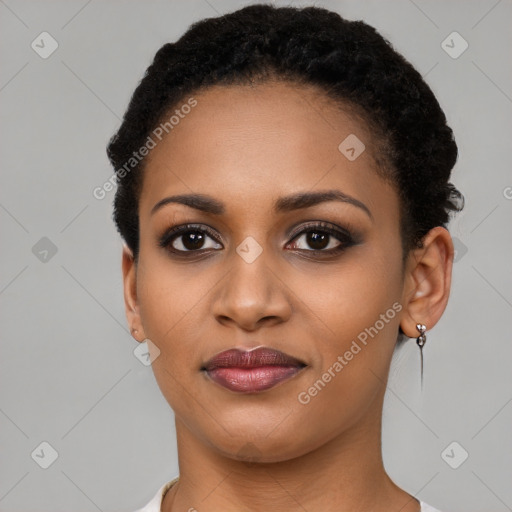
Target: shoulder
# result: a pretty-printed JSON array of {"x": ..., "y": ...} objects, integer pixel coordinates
[
  {"x": 427, "y": 508},
  {"x": 156, "y": 502}
]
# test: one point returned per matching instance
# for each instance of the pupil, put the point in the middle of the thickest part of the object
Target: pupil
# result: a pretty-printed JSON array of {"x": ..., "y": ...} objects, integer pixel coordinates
[
  {"x": 317, "y": 240},
  {"x": 193, "y": 240}
]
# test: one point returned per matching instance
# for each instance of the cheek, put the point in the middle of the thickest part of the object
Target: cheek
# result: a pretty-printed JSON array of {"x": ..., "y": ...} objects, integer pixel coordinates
[
  {"x": 361, "y": 311},
  {"x": 172, "y": 305},
  {"x": 358, "y": 307},
  {"x": 169, "y": 296},
  {"x": 352, "y": 297}
]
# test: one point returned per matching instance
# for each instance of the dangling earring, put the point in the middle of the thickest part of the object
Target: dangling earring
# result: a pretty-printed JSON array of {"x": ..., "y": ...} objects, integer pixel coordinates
[{"x": 421, "y": 340}]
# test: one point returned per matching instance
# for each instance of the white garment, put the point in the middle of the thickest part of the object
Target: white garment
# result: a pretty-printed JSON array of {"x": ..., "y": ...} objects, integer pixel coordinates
[{"x": 156, "y": 503}]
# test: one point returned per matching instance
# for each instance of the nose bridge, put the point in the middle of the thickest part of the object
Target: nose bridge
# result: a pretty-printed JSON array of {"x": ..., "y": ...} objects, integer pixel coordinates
[
  {"x": 252, "y": 290},
  {"x": 250, "y": 273}
]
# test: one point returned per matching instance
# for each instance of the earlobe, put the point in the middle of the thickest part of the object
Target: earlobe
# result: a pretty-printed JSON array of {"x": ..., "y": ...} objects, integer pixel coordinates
[
  {"x": 428, "y": 282},
  {"x": 129, "y": 268}
]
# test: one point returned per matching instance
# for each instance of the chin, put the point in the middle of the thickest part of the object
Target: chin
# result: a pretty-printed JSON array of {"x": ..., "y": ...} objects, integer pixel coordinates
[{"x": 269, "y": 447}]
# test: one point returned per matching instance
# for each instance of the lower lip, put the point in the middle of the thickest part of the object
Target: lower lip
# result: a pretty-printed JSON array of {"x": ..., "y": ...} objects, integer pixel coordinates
[{"x": 250, "y": 380}]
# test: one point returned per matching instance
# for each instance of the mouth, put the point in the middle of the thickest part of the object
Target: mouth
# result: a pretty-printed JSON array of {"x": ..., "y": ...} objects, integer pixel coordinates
[{"x": 252, "y": 371}]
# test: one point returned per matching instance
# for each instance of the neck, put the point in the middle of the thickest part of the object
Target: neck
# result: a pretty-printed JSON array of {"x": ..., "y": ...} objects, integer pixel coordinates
[{"x": 345, "y": 473}]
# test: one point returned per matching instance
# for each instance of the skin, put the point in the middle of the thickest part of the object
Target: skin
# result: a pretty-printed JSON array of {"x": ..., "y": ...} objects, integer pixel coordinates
[{"x": 246, "y": 146}]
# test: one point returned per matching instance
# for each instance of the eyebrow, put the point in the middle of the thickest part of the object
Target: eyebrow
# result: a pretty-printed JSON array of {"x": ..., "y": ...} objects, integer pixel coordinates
[{"x": 285, "y": 204}]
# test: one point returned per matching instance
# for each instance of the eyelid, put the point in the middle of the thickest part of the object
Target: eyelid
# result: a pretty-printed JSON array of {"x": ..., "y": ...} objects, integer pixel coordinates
[
  {"x": 321, "y": 225},
  {"x": 175, "y": 231}
]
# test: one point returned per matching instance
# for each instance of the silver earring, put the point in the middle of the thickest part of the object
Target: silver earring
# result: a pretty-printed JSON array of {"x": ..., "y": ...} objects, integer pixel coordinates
[{"x": 421, "y": 340}]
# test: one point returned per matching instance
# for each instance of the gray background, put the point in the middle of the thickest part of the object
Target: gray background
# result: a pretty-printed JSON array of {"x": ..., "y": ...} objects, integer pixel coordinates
[{"x": 68, "y": 374}]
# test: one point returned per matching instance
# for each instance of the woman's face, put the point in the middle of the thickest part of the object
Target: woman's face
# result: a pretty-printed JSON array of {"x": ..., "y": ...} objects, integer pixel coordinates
[{"x": 256, "y": 279}]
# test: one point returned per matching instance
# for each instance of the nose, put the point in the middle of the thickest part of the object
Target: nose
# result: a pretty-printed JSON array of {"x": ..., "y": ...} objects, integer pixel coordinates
[{"x": 252, "y": 296}]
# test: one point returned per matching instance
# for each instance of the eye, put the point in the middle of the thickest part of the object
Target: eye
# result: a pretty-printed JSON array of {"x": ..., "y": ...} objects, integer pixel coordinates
[
  {"x": 189, "y": 238},
  {"x": 322, "y": 237}
]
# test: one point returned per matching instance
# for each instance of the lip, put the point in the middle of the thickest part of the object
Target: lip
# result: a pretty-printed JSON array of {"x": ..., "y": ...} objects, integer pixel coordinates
[{"x": 252, "y": 371}]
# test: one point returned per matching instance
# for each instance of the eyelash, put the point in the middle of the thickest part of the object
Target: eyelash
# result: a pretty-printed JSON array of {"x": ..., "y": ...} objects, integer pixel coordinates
[{"x": 345, "y": 238}]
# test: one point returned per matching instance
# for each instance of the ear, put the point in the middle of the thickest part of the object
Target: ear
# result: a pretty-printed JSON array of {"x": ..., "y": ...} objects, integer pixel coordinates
[
  {"x": 130, "y": 295},
  {"x": 427, "y": 282}
]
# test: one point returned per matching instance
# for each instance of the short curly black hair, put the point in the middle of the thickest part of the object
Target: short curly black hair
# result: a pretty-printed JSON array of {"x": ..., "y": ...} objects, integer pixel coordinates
[{"x": 348, "y": 60}]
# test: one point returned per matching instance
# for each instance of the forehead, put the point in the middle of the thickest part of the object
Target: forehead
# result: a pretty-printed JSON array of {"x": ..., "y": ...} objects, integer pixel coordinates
[{"x": 247, "y": 145}]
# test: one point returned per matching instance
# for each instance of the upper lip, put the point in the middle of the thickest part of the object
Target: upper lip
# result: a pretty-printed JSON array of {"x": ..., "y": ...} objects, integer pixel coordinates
[{"x": 263, "y": 356}]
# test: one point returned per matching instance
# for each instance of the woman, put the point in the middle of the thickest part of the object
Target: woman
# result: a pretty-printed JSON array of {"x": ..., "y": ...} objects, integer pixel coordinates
[{"x": 283, "y": 195}]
